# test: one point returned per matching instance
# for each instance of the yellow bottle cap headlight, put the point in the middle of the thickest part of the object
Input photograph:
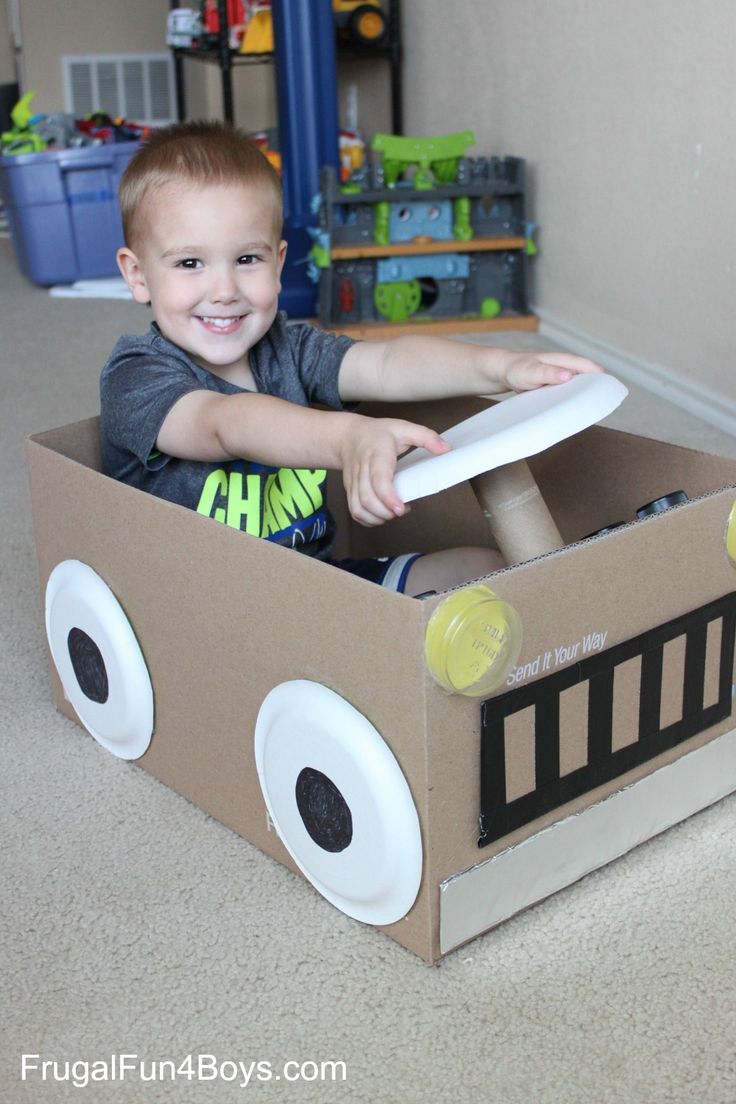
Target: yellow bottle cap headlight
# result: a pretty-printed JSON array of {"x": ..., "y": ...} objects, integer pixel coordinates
[
  {"x": 473, "y": 641},
  {"x": 731, "y": 535}
]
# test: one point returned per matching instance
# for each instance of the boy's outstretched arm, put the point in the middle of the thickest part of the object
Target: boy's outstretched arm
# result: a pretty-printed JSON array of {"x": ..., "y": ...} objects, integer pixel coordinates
[
  {"x": 416, "y": 367},
  {"x": 208, "y": 426}
]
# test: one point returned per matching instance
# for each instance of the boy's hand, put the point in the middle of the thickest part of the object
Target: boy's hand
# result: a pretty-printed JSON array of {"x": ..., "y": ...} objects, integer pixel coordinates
[
  {"x": 369, "y": 453},
  {"x": 525, "y": 371}
]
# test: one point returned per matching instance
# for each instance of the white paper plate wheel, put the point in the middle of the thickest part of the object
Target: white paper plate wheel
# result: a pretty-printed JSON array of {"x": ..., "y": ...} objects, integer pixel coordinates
[
  {"x": 339, "y": 801},
  {"x": 98, "y": 659}
]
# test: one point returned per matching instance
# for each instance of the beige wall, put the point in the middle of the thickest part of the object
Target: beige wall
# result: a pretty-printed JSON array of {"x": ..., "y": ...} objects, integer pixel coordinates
[
  {"x": 254, "y": 94},
  {"x": 626, "y": 112},
  {"x": 52, "y": 28},
  {"x": 7, "y": 62}
]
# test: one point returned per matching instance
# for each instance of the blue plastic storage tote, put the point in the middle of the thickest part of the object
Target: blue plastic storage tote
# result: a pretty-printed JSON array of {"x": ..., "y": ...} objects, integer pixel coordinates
[{"x": 63, "y": 211}]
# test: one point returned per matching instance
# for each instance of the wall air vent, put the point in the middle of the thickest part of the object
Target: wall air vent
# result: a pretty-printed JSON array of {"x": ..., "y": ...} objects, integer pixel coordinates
[{"x": 138, "y": 87}]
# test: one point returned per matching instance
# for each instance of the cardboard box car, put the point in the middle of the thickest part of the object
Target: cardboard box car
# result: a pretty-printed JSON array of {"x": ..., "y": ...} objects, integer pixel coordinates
[{"x": 284, "y": 693}]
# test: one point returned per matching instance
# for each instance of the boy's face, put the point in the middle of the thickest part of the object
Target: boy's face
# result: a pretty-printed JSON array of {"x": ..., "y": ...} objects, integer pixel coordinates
[{"x": 210, "y": 265}]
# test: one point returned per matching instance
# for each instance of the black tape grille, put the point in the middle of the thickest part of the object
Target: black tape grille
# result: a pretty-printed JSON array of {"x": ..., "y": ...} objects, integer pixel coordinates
[{"x": 499, "y": 817}]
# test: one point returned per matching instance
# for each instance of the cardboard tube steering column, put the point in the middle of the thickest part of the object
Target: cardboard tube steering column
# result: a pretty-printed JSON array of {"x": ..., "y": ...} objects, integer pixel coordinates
[
  {"x": 520, "y": 523},
  {"x": 490, "y": 448}
]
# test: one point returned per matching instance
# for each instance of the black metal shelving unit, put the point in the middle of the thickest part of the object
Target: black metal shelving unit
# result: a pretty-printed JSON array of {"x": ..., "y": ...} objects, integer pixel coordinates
[{"x": 219, "y": 52}]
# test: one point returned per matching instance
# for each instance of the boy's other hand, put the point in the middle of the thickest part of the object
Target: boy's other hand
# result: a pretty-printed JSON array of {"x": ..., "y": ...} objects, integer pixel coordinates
[
  {"x": 526, "y": 371},
  {"x": 369, "y": 453}
]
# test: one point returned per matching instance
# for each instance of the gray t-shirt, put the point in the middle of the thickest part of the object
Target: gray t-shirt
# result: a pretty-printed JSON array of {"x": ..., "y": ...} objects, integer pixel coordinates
[{"x": 147, "y": 374}]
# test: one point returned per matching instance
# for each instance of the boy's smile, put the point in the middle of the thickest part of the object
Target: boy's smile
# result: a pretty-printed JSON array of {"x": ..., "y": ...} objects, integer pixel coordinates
[{"x": 210, "y": 264}]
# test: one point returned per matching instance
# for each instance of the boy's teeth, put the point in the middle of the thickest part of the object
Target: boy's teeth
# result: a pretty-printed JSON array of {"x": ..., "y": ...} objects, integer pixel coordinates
[{"x": 219, "y": 321}]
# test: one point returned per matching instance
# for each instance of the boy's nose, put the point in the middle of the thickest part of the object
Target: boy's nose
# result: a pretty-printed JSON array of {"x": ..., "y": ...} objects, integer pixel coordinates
[{"x": 223, "y": 287}]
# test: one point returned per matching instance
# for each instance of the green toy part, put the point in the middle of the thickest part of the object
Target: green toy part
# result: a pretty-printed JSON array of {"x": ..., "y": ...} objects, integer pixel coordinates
[
  {"x": 381, "y": 220},
  {"x": 320, "y": 255},
  {"x": 436, "y": 158},
  {"x": 21, "y": 114},
  {"x": 461, "y": 227},
  {"x": 398, "y": 301},
  {"x": 22, "y": 138},
  {"x": 490, "y": 308},
  {"x": 14, "y": 142}
]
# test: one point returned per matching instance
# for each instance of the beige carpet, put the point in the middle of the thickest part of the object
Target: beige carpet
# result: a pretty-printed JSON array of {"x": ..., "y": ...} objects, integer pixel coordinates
[{"x": 132, "y": 924}]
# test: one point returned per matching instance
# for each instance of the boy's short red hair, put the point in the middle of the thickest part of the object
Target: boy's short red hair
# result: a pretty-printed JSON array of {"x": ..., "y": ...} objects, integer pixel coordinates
[{"x": 194, "y": 153}]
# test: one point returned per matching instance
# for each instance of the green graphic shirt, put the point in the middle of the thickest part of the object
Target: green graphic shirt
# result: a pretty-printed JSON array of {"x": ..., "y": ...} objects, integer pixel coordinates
[{"x": 147, "y": 374}]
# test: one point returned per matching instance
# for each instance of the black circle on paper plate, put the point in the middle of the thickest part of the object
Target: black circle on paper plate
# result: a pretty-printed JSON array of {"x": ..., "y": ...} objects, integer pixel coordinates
[
  {"x": 89, "y": 666},
  {"x": 324, "y": 811}
]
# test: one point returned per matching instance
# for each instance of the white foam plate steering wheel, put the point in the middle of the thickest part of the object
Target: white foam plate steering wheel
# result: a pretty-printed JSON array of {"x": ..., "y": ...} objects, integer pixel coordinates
[{"x": 521, "y": 426}]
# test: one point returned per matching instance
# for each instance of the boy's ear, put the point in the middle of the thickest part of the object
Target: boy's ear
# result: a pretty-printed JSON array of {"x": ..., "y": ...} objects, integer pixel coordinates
[
  {"x": 280, "y": 258},
  {"x": 130, "y": 267}
]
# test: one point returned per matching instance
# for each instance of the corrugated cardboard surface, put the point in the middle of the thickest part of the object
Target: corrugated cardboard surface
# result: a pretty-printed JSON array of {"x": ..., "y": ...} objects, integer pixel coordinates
[
  {"x": 620, "y": 586},
  {"x": 222, "y": 618},
  {"x": 602, "y": 476}
]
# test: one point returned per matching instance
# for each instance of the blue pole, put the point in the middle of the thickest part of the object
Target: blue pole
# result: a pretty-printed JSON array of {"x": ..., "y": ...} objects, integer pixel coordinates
[{"x": 306, "y": 98}]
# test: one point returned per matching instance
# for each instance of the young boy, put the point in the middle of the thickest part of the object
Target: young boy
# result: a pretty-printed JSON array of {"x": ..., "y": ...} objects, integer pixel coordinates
[{"x": 212, "y": 407}]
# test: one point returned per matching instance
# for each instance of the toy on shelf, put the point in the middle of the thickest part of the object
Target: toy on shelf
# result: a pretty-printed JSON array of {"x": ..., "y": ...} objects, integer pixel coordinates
[
  {"x": 258, "y": 33},
  {"x": 425, "y": 234},
  {"x": 268, "y": 143},
  {"x": 235, "y": 19},
  {"x": 351, "y": 145},
  {"x": 360, "y": 23},
  {"x": 184, "y": 28},
  {"x": 352, "y": 152}
]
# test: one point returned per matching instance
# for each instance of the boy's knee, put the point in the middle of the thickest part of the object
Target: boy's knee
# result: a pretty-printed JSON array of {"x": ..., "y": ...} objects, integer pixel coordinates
[
  {"x": 485, "y": 559},
  {"x": 452, "y": 567}
]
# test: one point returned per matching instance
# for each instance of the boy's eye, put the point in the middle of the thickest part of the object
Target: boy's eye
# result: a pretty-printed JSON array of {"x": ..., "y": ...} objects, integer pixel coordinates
[
  {"x": 189, "y": 262},
  {"x": 248, "y": 259}
]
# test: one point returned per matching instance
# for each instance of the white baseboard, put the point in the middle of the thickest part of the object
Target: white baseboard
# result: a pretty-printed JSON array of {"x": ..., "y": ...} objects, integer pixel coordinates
[{"x": 696, "y": 399}]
